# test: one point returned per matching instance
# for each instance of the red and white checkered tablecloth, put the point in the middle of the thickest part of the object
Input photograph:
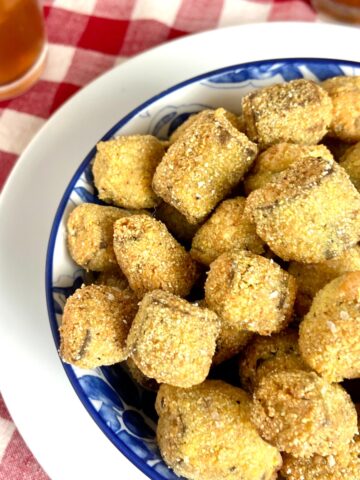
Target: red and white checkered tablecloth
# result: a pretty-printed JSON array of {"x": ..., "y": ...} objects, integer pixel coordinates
[{"x": 86, "y": 38}]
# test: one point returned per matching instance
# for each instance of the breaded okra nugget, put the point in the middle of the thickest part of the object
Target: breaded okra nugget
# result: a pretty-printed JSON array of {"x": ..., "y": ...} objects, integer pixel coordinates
[
  {"x": 205, "y": 433},
  {"x": 351, "y": 162},
  {"x": 345, "y": 95},
  {"x": 151, "y": 258},
  {"x": 330, "y": 333},
  {"x": 311, "y": 277},
  {"x": 203, "y": 165},
  {"x": 176, "y": 223},
  {"x": 310, "y": 213},
  {"x": 267, "y": 354},
  {"x": 124, "y": 168},
  {"x": 278, "y": 158},
  {"x": 113, "y": 278},
  {"x": 302, "y": 414},
  {"x": 250, "y": 292},
  {"x": 172, "y": 340},
  {"x": 90, "y": 231},
  {"x": 227, "y": 229},
  {"x": 230, "y": 342},
  {"x": 95, "y": 325},
  {"x": 295, "y": 112}
]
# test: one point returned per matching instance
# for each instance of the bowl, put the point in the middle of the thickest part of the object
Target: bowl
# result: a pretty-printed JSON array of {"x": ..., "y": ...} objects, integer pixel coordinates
[{"x": 122, "y": 409}]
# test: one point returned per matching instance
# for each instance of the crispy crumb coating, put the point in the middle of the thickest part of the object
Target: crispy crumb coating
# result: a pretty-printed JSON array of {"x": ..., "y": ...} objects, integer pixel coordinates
[
  {"x": 310, "y": 213},
  {"x": 205, "y": 433},
  {"x": 172, "y": 340},
  {"x": 311, "y": 277},
  {"x": 190, "y": 122},
  {"x": 139, "y": 377},
  {"x": 278, "y": 158},
  {"x": 267, "y": 354},
  {"x": 330, "y": 333},
  {"x": 351, "y": 162},
  {"x": 230, "y": 342},
  {"x": 250, "y": 292},
  {"x": 301, "y": 414},
  {"x": 95, "y": 325},
  {"x": 345, "y": 95},
  {"x": 123, "y": 170},
  {"x": 299, "y": 111},
  {"x": 227, "y": 229},
  {"x": 176, "y": 222},
  {"x": 343, "y": 466},
  {"x": 89, "y": 238},
  {"x": 151, "y": 258},
  {"x": 203, "y": 165},
  {"x": 113, "y": 278}
]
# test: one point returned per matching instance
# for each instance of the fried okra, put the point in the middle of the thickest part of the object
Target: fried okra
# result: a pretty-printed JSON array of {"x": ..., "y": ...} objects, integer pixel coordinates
[
  {"x": 90, "y": 231},
  {"x": 295, "y": 112},
  {"x": 176, "y": 223},
  {"x": 227, "y": 229},
  {"x": 172, "y": 340},
  {"x": 124, "y": 168},
  {"x": 278, "y": 158},
  {"x": 351, "y": 162},
  {"x": 310, "y": 213},
  {"x": 151, "y": 258},
  {"x": 330, "y": 333},
  {"x": 345, "y": 95},
  {"x": 203, "y": 165},
  {"x": 267, "y": 354},
  {"x": 230, "y": 342},
  {"x": 250, "y": 292},
  {"x": 311, "y": 277},
  {"x": 113, "y": 278},
  {"x": 301, "y": 414},
  {"x": 95, "y": 326},
  {"x": 139, "y": 377},
  {"x": 205, "y": 433}
]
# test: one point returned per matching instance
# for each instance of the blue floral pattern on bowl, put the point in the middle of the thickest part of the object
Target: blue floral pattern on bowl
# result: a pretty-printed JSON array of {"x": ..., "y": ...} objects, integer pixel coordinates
[{"x": 121, "y": 408}]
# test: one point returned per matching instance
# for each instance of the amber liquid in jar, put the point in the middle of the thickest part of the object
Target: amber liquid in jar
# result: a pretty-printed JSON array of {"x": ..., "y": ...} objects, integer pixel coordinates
[
  {"x": 22, "y": 37},
  {"x": 345, "y": 10}
]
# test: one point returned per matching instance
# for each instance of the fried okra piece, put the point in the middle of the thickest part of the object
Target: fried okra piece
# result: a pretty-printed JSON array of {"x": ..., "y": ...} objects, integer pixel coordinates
[
  {"x": 90, "y": 231},
  {"x": 203, "y": 165},
  {"x": 230, "y": 342},
  {"x": 205, "y": 433},
  {"x": 113, "y": 278},
  {"x": 227, "y": 229},
  {"x": 151, "y": 258},
  {"x": 176, "y": 223},
  {"x": 299, "y": 111},
  {"x": 190, "y": 122},
  {"x": 267, "y": 354},
  {"x": 95, "y": 326},
  {"x": 123, "y": 170},
  {"x": 301, "y": 414},
  {"x": 310, "y": 213},
  {"x": 351, "y": 162},
  {"x": 172, "y": 340},
  {"x": 311, "y": 277},
  {"x": 278, "y": 158},
  {"x": 250, "y": 292},
  {"x": 345, "y": 95},
  {"x": 140, "y": 378},
  {"x": 330, "y": 333}
]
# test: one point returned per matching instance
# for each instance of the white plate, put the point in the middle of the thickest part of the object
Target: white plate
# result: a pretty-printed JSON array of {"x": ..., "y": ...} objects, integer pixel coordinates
[{"x": 53, "y": 422}]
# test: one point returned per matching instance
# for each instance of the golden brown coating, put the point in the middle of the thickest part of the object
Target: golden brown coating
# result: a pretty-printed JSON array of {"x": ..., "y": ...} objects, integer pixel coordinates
[
  {"x": 295, "y": 112},
  {"x": 176, "y": 222},
  {"x": 189, "y": 122},
  {"x": 301, "y": 414},
  {"x": 172, "y": 340},
  {"x": 267, "y": 354},
  {"x": 310, "y": 213},
  {"x": 90, "y": 231},
  {"x": 123, "y": 170},
  {"x": 95, "y": 325},
  {"x": 227, "y": 229},
  {"x": 250, "y": 292},
  {"x": 311, "y": 277},
  {"x": 203, "y": 165},
  {"x": 151, "y": 258},
  {"x": 230, "y": 342},
  {"x": 345, "y": 95},
  {"x": 139, "y": 377},
  {"x": 205, "y": 433},
  {"x": 113, "y": 278},
  {"x": 351, "y": 162},
  {"x": 330, "y": 333},
  {"x": 278, "y": 158}
]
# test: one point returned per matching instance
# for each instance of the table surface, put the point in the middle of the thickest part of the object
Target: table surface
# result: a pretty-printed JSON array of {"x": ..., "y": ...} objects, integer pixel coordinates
[{"x": 87, "y": 38}]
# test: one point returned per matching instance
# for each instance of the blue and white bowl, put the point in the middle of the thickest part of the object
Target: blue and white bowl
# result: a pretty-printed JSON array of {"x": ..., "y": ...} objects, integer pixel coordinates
[{"x": 122, "y": 409}]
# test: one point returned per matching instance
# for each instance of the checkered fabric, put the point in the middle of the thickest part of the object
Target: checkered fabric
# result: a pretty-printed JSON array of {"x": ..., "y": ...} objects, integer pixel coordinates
[{"x": 86, "y": 38}]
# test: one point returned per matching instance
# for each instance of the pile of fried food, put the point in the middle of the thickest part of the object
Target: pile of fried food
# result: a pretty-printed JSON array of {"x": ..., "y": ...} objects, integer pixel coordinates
[{"x": 261, "y": 213}]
